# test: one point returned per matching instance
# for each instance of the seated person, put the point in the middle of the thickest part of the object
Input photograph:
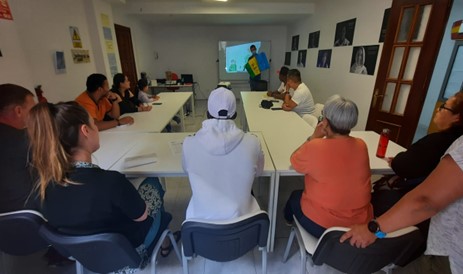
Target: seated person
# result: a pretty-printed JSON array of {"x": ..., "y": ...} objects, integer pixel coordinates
[
  {"x": 17, "y": 180},
  {"x": 129, "y": 102},
  {"x": 301, "y": 101},
  {"x": 414, "y": 165},
  {"x": 281, "y": 91},
  {"x": 142, "y": 92},
  {"x": 76, "y": 195},
  {"x": 439, "y": 196},
  {"x": 337, "y": 173},
  {"x": 102, "y": 104},
  {"x": 221, "y": 162}
]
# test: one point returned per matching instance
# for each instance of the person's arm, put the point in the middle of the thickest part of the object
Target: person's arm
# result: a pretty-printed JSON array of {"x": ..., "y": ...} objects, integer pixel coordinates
[
  {"x": 288, "y": 103},
  {"x": 442, "y": 187},
  {"x": 103, "y": 125},
  {"x": 115, "y": 99}
]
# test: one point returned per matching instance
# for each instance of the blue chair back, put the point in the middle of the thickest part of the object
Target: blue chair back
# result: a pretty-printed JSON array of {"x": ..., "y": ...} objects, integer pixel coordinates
[
  {"x": 224, "y": 242},
  {"x": 19, "y": 232}
]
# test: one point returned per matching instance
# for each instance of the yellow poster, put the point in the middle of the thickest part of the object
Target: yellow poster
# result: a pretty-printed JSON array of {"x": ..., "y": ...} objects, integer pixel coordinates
[
  {"x": 75, "y": 37},
  {"x": 109, "y": 46},
  {"x": 105, "y": 20}
]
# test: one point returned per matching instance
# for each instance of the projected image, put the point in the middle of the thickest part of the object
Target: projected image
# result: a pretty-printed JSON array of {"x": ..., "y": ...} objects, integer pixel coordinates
[{"x": 237, "y": 56}]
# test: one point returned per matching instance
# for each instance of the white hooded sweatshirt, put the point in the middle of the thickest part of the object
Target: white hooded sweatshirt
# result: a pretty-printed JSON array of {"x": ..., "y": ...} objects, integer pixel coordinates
[{"x": 221, "y": 161}]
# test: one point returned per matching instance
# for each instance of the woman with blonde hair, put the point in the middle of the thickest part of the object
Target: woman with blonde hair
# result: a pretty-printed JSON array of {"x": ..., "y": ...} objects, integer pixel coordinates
[
  {"x": 359, "y": 63},
  {"x": 77, "y": 195}
]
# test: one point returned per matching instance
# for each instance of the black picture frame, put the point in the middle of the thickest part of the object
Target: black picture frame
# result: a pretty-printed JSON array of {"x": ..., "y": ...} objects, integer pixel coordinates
[
  {"x": 366, "y": 64},
  {"x": 288, "y": 58},
  {"x": 295, "y": 43},
  {"x": 382, "y": 34},
  {"x": 344, "y": 35},
  {"x": 324, "y": 58},
  {"x": 301, "y": 58},
  {"x": 314, "y": 39}
]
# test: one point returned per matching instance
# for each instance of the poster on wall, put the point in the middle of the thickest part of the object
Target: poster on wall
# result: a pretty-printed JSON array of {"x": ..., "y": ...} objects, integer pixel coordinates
[
  {"x": 59, "y": 62},
  {"x": 80, "y": 56},
  {"x": 314, "y": 38},
  {"x": 75, "y": 37},
  {"x": 301, "y": 57},
  {"x": 344, "y": 33},
  {"x": 112, "y": 64},
  {"x": 295, "y": 42},
  {"x": 324, "y": 58},
  {"x": 382, "y": 34},
  {"x": 288, "y": 58},
  {"x": 5, "y": 11},
  {"x": 363, "y": 59}
]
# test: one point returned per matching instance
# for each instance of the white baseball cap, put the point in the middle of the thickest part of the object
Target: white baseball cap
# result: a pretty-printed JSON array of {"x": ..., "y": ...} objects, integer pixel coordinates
[{"x": 221, "y": 103}]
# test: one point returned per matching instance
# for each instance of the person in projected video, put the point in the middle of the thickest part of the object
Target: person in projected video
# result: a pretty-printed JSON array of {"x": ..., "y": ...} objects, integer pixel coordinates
[
  {"x": 232, "y": 67},
  {"x": 253, "y": 80}
]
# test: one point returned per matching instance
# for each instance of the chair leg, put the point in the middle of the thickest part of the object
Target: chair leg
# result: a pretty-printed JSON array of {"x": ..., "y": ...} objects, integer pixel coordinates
[
  {"x": 184, "y": 262},
  {"x": 289, "y": 244},
  {"x": 174, "y": 244},
  {"x": 79, "y": 268},
  {"x": 264, "y": 259},
  {"x": 302, "y": 252},
  {"x": 156, "y": 249}
]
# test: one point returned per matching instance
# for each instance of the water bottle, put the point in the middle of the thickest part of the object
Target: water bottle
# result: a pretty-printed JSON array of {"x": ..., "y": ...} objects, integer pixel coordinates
[{"x": 383, "y": 142}]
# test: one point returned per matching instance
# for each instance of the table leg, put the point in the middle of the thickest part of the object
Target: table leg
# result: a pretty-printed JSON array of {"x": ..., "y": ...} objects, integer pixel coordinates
[
  {"x": 271, "y": 213},
  {"x": 273, "y": 217},
  {"x": 182, "y": 118}
]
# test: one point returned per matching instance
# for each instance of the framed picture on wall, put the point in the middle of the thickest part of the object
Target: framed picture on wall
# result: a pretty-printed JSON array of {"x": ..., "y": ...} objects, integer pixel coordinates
[
  {"x": 301, "y": 57},
  {"x": 288, "y": 58},
  {"x": 314, "y": 38},
  {"x": 324, "y": 58},
  {"x": 344, "y": 33},
  {"x": 363, "y": 59},
  {"x": 382, "y": 34},
  {"x": 295, "y": 42},
  {"x": 59, "y": 62}
]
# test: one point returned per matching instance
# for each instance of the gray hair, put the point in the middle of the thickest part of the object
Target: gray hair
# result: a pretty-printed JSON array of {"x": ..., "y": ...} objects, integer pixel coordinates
[{"x": 341, "y": 113}]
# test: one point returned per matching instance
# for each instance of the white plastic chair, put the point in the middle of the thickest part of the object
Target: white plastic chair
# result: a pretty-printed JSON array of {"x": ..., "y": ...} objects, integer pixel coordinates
[{"x": 398, "y": 248}]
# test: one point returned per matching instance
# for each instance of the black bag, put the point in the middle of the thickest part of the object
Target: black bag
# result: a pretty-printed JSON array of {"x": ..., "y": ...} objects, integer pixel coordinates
[{"x": 266, "y": 104}]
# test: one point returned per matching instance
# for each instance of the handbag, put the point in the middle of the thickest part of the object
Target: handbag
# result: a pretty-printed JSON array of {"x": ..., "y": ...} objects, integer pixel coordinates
[{"x": 266, "y": 104}]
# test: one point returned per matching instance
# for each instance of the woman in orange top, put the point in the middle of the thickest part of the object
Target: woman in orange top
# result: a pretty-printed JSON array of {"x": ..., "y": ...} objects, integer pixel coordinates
[{"x": 337, "y": 173}]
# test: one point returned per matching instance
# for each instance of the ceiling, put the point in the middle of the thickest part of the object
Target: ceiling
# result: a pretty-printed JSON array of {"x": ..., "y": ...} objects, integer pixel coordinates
[{"x": 210, "y": 12}]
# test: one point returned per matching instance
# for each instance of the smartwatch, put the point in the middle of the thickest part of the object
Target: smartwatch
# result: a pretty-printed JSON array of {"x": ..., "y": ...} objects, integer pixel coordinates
[{"x": 374, "y": 228}]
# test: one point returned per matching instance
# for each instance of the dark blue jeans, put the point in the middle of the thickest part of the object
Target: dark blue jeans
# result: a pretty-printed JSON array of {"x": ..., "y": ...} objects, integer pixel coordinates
[{"x": 293, "y": 207}]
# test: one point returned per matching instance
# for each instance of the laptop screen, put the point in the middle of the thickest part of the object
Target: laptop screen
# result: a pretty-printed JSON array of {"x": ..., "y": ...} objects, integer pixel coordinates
[{"x": 187, "y": 78}]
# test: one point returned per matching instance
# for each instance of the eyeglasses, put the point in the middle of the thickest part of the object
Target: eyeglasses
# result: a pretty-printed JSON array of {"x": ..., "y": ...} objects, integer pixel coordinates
[{"x": 441, "y": 107}]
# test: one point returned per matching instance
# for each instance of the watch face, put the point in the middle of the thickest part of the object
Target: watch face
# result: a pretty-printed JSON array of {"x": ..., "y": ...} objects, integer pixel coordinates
[{"x": 373, "y": 226}]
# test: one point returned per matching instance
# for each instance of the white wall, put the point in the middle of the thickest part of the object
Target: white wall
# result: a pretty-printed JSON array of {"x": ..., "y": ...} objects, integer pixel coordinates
[
  {"x": 437, "y": 80},
  {"x": 14, "y": 66},
  {"x": 337, "y": 79},
  {"x": 39, "y": 29},
  {"x": 195, "y": 49}
]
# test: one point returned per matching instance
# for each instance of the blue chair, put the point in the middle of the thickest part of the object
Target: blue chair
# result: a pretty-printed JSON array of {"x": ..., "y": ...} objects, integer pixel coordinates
[
  {"x": 104, "y": 252},
  {"x": 397, "y": 249},
  {"x": 224, "y": 241},
  {"x": 19, "y": 232}
]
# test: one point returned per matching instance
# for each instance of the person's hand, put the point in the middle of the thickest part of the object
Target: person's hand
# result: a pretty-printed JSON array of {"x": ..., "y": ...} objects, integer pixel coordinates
[
  {"x": 389, "y": 160},
  {"x": 127, "y": 120},
  {"x": 155, "y": 98},
  {"x": 269, "y": 93},
  {"x": 114, "y": 97},
  {"x": 320, "y": 131},
  {"x": 144, "y": 108},
  {"x": 359, "y": 236}
]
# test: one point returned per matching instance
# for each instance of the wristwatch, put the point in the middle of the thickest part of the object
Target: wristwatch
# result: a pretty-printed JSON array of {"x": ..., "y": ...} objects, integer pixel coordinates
[{"x": 373, "y": 227}]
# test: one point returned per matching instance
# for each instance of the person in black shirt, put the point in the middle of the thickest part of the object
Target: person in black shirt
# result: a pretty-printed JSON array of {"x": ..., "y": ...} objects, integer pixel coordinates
[
  {"x": 63, "y": 138},
  {"x": 16, "y": 176},
  {"x": 129, "y": 103}
]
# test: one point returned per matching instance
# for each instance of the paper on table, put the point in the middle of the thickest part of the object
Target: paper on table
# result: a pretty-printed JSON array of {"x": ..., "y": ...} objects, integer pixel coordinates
[
  {"x": 176, "y": 147},
  {"x": 139, "y": 160}
]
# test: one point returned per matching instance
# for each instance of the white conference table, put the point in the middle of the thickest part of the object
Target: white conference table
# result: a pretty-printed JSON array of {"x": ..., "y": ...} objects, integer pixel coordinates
[
  {"x": 115, "y": 148},
  {"x": 159, "y": 116},
  {"x": 285, "y": 131},
  {"x": 185, "y": 87}
]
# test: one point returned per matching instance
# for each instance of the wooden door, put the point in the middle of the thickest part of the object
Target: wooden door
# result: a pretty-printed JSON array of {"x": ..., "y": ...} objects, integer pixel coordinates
[
  {"x": 409, "y": 53},
  {"x": 124, "y": 44}
]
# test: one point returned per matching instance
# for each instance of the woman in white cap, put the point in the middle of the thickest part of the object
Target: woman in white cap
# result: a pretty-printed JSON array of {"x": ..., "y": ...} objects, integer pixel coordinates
[{"x": 222, "y": 162}]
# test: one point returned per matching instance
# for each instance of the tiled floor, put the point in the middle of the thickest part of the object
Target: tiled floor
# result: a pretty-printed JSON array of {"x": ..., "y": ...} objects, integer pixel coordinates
[{"x": 176, "y": 199}]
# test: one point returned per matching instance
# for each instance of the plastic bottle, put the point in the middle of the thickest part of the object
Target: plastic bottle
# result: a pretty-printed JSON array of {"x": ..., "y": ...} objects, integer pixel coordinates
[{"x": 383, "y": 142}]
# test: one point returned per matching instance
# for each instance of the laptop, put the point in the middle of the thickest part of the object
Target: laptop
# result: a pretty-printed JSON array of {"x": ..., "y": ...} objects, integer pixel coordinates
[{"x": 187, "y": 78}]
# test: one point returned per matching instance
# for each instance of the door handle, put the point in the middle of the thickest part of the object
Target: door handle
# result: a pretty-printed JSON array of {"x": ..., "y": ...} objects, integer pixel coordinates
[{"x": 376, "y": 95}]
